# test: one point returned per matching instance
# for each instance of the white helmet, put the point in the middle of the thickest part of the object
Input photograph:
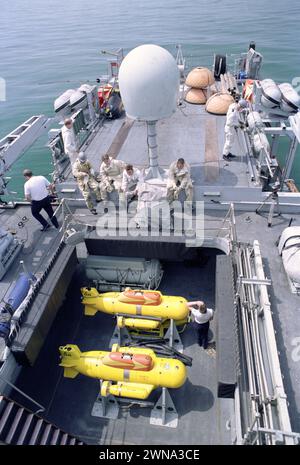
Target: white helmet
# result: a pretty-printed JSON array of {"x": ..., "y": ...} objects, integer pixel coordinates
[
  {"x": 82, "y": 156},
  {"x": 243, "y": 103}
]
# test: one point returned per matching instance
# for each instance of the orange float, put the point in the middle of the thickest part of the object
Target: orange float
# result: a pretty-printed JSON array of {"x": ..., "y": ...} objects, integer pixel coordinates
[
  {"x": 141, "y": 362},
  {"x": 248, "y": 90}
]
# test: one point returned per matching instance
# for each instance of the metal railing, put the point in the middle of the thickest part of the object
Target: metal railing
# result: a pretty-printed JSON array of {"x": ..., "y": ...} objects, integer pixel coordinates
[{"x": 264, "y": 408}]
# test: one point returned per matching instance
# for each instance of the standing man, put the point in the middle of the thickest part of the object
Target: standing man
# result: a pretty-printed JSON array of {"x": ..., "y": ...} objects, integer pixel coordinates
[
  {"x": 36, "y": 189},
  {"x": 179, "y": 179},
  {"x": 202, "y": 316},
  {"x": 131, "y": 178},
  {"x": 70, "y": 143},
  {"x": 84, "y": 173},
  {"x": 111, "y": 172},
  {"x": 231, "y": 125}
]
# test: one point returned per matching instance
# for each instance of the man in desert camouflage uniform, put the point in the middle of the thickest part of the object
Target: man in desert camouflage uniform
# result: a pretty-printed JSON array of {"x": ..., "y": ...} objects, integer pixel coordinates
[
  {"x": 179, "y": 179},
  {"x": 111, "y": 172},
  {"x": 85, "y": 176}
]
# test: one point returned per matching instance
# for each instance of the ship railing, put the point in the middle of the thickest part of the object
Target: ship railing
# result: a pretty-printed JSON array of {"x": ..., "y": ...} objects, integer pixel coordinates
[
  {"x": 260, "y": 435},
  {"x": 40, "y": 409},
  {"x": 217, "y": 232},
  {"x": 229, "y": 226},
  {"x": 84, "y": 133},
  {"x": 264, "y": 409},
  {"x": 40, "y": 272}
]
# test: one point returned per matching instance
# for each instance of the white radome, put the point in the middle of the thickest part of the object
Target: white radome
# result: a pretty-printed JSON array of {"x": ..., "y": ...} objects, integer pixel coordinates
[{"x": 149, "y": 83}]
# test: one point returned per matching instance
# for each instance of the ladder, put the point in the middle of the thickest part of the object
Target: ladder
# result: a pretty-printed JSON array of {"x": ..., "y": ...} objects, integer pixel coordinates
[{"x": 20, "y": 426}]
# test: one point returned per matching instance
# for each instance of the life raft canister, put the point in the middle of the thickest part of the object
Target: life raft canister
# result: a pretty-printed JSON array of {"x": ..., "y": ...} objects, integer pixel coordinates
[{"x": 139, "y": 362}]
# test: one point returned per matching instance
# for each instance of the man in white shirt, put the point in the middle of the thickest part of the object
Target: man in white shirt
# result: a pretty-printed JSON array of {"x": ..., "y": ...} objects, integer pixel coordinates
[
  {"x": 69, "y": 139},
  {"x": 111, "y": 172},
  {"x": 131, "y": 178},
  {"x": 202, "y": 316},
  {"x": 232, "y": 123},
  {"x": 36, "y": 189}
]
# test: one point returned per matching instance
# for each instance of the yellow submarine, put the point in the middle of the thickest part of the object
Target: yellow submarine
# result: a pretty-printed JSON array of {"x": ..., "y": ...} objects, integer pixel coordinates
[
  {"x": 131, "y": 305},
  {"x": 125, "y": 371}
]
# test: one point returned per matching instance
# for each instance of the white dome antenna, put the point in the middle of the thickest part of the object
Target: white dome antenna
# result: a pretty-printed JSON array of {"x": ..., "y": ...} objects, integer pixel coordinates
[{"x": 149, "y": 86}]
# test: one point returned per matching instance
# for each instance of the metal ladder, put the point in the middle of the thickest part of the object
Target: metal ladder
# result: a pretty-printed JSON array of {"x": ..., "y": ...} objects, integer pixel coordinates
[{"x": 20, "y": 426}]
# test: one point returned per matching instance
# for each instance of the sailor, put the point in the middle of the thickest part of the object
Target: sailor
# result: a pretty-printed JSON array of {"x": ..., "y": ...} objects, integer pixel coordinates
[
  {"x": 202, "y": 316},
  {"x": 70, "y": 143},
  {"x": 36, "y": 189},
  {"x": 85, "y": 175},
  {"x": 232, "y": 124},
  {"x": 111, "y": 172},
  {"x": 179, "y": 179},
  {"x": 131, "y": 178}
]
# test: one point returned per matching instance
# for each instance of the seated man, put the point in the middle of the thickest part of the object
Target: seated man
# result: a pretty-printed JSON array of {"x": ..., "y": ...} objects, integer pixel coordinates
[
  {"x": 131, "y": 178},
  {"x": 84, "y": 173},
  {"x": 179, "y": 179},
  {"x": 111, "y": 172}
]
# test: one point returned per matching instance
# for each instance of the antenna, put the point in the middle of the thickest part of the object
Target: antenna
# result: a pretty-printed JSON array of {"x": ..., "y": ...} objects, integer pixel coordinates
[{"x": 149, "y": 85}]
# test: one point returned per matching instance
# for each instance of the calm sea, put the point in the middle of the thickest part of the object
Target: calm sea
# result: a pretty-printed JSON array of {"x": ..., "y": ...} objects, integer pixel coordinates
[{"x": 49, "y": 46}]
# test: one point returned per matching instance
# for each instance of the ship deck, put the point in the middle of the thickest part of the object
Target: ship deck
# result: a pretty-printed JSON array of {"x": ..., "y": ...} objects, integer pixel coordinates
[
  {"x": 55, "y": 392},
  {"x": 197, "y": 137},
  {"x": 190, "y": 133},
  {"x": 69, "y": 401}
]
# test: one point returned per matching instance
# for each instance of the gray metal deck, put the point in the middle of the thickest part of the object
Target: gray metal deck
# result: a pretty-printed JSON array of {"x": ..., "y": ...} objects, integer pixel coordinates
[
  {"x": 190, "y": 133},
  {"x": 197, "y": 137},
  {"x": 38, "y": 247},
  {"x": 285, "y": 305},
  {"x": 69, "y": 402}
]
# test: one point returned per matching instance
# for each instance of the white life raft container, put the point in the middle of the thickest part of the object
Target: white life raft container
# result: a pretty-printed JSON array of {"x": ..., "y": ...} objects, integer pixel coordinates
[
  {"x": 78, "y": 101},
  {"x": 289, "y": 249},
  {"x": 290, "y": 99},
  {"x": 260, "y": 142},
  {"x": 62, "y": 104},
  {"x": 254, "y": 121},
  {"x": 271, "y": 95}
]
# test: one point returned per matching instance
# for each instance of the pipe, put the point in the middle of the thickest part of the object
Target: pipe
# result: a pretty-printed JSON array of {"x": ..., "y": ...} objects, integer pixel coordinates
[
  {"x": 153, "y": 149},
  {"x": 279, "y": 392}
]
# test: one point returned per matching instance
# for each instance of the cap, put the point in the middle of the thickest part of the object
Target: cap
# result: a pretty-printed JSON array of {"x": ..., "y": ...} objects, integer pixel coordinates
[
  {"x": 243, "y": 103},
  {"x": 82, "y": 156}
]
